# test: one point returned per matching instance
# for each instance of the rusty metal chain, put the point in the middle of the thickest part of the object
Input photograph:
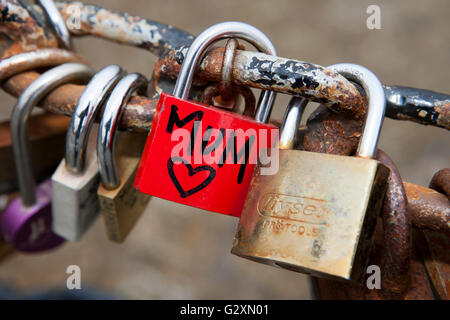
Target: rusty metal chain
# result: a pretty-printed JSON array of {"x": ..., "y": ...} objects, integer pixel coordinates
[
  {"x": 441, "y": 181},
  {"x": 395, "y": 259},
  {"x": 225, "y": 94},
  {"x": 250, "y": 68}
]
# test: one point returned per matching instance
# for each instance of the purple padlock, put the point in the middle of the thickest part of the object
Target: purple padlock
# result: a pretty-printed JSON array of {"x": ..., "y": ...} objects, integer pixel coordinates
[
  {"x": 29, "y": 228},
  {"x": 27, "y": 222}
]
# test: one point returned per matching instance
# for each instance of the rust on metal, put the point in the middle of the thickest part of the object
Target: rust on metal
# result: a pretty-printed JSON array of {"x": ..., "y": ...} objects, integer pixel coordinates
[
  {"x": 441, "y": 181},
  {"x": 24, "y": 28},
  {"x": 420, "y": 287},
  {"x": 435, "y": 246},
  {"x": 429, "y": 208},
  {"x": 227, "y": 68},
  {"x": 435, "y": 250},
  {"x": 21, "y": 29},
  {"x": 421, "y": 106},
  {"x": 212, "y": 96},
  {"x": 138, "y": 114},
  {"x": 262, "y": 71},
  {"x": 123, "y": 28},
  {"x": 41, "y": 58},
  {"x": 146, "y": 34},
  {"x": 330, "y": 132},
  {"x": 442, "y": 111},
  {"x": 395, "y": 259},
  {"x": 250, "y": 68}
]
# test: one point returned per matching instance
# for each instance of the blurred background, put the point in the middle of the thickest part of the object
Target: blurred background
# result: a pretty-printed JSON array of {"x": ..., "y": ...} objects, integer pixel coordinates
[{"x": 180, "y": 252}]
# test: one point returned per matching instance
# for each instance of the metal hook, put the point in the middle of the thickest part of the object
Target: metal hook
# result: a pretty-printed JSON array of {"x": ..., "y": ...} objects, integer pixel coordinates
[
  {"x": 89, "y": 104},
  {"x": 375, "y": 110},
  {"x": 108, "y": 126},
  {"x": 208, "y": 37},
  {"x": 57, "y": 22},
  {"x": 32, "y": 95}
]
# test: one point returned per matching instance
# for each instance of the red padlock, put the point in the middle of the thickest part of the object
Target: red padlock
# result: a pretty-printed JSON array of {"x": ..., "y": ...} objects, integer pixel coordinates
[{"x": 203, "y": 156}]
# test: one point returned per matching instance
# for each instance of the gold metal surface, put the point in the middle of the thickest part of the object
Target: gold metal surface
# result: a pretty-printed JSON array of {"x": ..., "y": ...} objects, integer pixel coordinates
[
  {"x": 315, "y": 216},
  {"x": 123, "y": 206}
]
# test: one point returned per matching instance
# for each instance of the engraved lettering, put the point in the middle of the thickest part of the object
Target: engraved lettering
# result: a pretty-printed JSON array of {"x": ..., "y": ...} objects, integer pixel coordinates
[{"x": 293, "y": 208}]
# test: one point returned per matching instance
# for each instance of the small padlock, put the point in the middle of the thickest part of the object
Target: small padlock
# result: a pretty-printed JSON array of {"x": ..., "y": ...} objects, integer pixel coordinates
[
  {"x": 27, "y": 222},
  {"x": 121, "y": 205},
  {"x": 318, "y": 213},
  {"x": 209, "y": 173},
  {"x": 75, "y": 202}
]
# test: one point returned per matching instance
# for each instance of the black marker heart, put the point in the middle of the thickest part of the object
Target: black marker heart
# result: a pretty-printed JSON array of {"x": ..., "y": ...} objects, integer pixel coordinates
[{"x": 192, "y": 171}]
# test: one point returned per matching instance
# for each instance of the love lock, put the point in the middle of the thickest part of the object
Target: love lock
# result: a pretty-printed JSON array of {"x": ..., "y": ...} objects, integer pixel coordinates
[
  {"x": 317, "y": 214},
  {"x": 198, "y": 170}
]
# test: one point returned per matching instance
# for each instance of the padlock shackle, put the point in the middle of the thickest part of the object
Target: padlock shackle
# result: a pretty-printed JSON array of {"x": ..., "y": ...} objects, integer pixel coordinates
[
  {"x": 196, "y": 51},
  {"x": 376, "y": 107},
  {"x": 57, "y": 22},
  {"x": 110, "y": 120},
  {"x": 291, "y": 122},
  {"x": 88, "y": 106},
  {"x": 37, "y": 90}
]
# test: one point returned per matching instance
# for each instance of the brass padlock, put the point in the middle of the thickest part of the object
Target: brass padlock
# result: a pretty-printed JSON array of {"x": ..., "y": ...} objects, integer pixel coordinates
[
  {"x": 75, "y": 203},
  {"x": 121, "y": 204},
  {"x": 317, "y": 214}
]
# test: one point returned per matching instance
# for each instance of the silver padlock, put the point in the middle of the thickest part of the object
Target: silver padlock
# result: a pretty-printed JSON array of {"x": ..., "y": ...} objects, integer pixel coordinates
[{"x": 75, "y": 203}]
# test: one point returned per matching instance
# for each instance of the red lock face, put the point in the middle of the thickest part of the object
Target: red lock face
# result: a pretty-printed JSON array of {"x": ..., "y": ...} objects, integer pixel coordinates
[{"x": 201, "y": 156}]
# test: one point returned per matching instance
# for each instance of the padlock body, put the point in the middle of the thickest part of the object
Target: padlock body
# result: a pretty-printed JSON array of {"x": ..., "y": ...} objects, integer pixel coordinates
[
  {"x": 122, "y": 207},
  {"x": 182, "y": 163},
  {"x": 75, "y": 202},
  {"x": 29, "y": 229},
  {"x": 316, "y": 215}
]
